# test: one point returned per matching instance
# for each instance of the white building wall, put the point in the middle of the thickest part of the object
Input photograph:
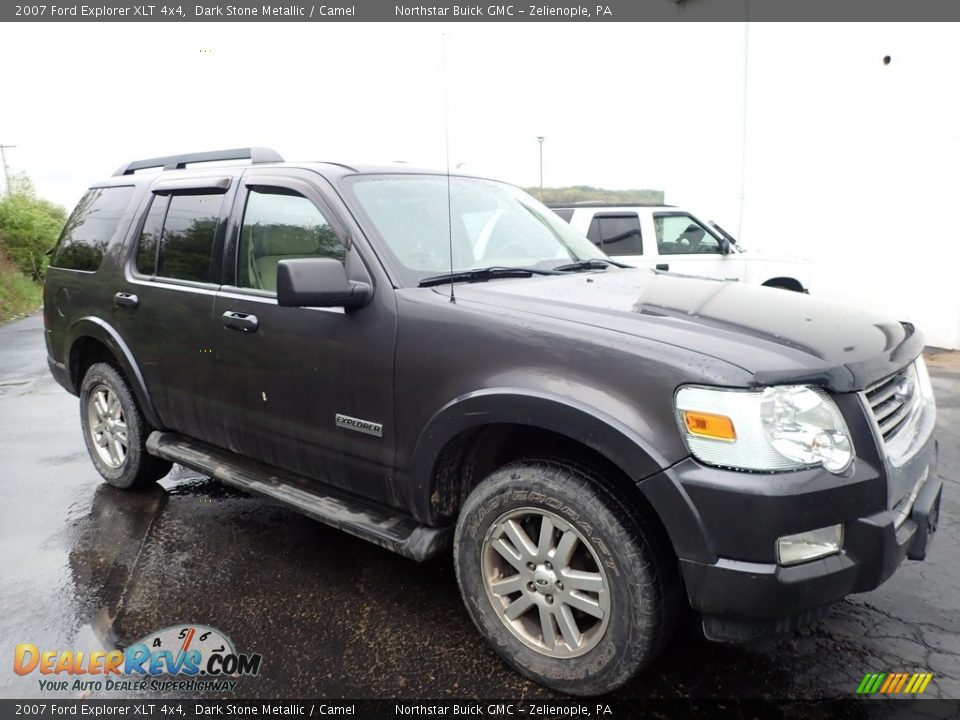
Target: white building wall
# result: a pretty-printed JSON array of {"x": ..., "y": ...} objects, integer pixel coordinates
[{"x": 856, "y": 164}]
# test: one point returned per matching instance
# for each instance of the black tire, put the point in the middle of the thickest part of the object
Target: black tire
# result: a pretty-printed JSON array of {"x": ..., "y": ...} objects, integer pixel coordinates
[
  {"x": 136, "y": 467},
  {"x": 639, "y": 573}
]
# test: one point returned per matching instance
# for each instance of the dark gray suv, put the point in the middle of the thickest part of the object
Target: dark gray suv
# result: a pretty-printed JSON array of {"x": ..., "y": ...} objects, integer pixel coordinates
[{"x": 434, "y": 362}]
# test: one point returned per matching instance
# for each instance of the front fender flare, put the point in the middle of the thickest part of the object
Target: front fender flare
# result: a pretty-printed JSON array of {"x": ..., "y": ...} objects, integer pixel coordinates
[
  {"x": 617, "y": 442},
  {"x": 98, "y": 329}
]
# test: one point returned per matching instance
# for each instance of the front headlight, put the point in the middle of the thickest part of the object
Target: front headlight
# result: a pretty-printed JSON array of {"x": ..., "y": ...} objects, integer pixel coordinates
[{"x": 784, "y": 427}]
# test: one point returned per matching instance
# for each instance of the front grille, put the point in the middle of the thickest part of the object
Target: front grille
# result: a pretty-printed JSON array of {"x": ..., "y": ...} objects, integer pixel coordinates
[{"x": 893, "y": 401}]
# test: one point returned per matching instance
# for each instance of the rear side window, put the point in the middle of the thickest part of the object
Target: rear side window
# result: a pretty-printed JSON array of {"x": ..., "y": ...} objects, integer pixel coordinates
[
  {"x": 90, "y": 228},
  {"x": 178, "y": 236},
  {"x": 150, "y": 235},
  {"x": 617, "y": 233}
]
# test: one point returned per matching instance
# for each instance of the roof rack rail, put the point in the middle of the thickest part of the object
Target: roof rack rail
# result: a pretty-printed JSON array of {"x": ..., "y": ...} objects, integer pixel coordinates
[{"x": 256, "y": 155}]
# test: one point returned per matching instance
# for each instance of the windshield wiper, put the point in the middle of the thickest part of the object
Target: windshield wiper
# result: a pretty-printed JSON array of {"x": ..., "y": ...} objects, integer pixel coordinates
[
  {"x": 483, "y": 274},
  {"x": 591, "y": 264}
]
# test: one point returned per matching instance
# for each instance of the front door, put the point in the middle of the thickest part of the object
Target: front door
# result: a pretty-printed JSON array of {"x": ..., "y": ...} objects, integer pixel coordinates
[
  {"x": 686, "y": 246},
  {"x": 293, "y": 381}
]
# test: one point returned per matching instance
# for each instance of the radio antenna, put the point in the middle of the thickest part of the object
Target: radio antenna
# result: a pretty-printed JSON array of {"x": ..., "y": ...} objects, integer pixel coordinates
[{"x": 446, "y": 140}]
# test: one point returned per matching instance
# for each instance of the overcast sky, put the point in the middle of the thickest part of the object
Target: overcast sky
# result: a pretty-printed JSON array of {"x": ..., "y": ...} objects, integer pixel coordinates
[
  {"x": 620, "y": 106},
  {"x": 644, "y": 105},
  {"x": 838, "y": 145}
]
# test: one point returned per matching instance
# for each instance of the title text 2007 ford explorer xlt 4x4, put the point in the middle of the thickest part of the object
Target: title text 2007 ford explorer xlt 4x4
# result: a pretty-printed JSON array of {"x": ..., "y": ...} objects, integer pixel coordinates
[{"x": 426, "y": 361}]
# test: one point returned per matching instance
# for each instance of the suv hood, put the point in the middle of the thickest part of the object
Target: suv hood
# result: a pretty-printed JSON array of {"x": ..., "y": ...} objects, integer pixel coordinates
[{"x": 777, "y": 336}]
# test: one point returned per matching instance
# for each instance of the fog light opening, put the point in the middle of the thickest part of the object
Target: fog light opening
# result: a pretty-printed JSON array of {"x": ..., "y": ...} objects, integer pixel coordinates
[{"x": 810, "y": 545}]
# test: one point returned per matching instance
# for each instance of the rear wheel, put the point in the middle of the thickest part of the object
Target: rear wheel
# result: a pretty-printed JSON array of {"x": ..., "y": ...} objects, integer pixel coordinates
[
  {"x": 115, "y": 431},
  {"x": 561, "y": 578}
]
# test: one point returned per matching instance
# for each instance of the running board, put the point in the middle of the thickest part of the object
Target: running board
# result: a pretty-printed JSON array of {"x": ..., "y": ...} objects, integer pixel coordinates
[{"x": 380, "y": 525}]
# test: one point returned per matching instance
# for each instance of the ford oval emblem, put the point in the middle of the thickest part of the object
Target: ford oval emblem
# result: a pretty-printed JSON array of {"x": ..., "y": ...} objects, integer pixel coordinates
[{"x": 904, "y": 389}]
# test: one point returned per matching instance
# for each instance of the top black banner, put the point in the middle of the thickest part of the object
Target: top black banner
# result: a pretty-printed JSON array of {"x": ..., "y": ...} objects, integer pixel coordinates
[{"x": 412, "y": 11}]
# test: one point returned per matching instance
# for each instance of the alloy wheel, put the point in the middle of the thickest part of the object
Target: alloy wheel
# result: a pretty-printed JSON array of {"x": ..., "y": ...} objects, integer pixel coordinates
[
  {"x": 545, "y": 582},
  {"x": 108, "y": 428}
]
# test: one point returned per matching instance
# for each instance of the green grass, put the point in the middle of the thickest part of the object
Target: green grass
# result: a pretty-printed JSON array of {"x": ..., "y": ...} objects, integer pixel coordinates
[{"x": 18, "y": 294}]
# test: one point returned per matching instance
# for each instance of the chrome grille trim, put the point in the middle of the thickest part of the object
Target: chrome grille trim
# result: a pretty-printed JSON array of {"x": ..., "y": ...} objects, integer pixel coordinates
[
  {"x": 893, "y": 401},
  {"x": 880, "y": 383},
  {"x": 885, "y": 393},
  {"x": 905, "y": 506},
  {"x": 892, "y": 422},
  {"x": 883, "y": 410}
]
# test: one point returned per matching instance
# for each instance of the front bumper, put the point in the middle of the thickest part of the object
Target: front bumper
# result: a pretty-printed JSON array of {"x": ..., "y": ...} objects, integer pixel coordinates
[
  {"x": 740, "y": 600},
  {"x": 724, "y": 526}
]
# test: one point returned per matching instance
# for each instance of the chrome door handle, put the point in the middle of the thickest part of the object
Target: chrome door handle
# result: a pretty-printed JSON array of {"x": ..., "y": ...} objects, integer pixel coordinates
[
  {"x": 240, "y": 321},
  {"x": 125, "y": 299}
]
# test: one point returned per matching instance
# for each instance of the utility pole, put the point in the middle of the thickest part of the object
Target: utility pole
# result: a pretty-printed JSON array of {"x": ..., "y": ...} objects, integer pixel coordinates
[
  {"x": 6, "y": 170},
  {"x": 540, "y": 140}
]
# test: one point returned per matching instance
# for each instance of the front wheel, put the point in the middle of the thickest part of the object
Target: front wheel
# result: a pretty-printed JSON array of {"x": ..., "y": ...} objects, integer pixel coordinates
[
  {"x": 115, "y": 431},
  {"x": 561, "y": 578}
]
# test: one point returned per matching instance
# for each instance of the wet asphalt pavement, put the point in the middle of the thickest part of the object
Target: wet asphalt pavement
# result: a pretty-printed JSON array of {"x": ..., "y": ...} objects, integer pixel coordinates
[{"x": 83, "y": 565}]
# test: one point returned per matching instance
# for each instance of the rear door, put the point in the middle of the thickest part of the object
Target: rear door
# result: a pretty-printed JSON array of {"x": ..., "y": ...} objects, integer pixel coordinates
[
  {"x": 163, "y": 299},
  {"x": 290, "y": 378},
  {"x": 619, "y": 235}
]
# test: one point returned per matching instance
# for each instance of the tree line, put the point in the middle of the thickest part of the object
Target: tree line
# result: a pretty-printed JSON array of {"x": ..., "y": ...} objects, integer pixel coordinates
[
  {"x": 29, "y": 228},
  {"x": 582, "y": 193}
]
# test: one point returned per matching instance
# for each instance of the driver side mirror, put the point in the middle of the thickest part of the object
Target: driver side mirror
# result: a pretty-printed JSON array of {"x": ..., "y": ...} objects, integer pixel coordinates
[
  {"x": 318, "y": 282},
  {"x": 725, "y": 246}
]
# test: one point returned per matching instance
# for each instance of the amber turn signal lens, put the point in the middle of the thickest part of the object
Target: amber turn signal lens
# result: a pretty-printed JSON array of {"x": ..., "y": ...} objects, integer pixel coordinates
[{"x": 703, "y": 424}]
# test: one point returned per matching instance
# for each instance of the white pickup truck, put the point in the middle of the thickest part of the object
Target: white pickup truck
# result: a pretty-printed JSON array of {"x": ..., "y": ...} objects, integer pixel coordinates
[{"x": 664, "y": 237}]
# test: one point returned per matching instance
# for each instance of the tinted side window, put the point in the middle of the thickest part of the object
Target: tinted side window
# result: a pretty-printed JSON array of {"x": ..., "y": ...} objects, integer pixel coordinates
[
  {"x": 186, "y": 246},
  {"x": 91, "y": 226},
  {"x": 617, "y": 234},
  {"x": 150, "y": 236},
  {"x": 280, "y": 225},
  {"x": 564, "y": 213}
]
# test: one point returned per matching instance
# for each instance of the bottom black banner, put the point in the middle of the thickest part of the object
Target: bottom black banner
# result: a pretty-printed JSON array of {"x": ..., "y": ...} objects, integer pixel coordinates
[{"x": 498, "y": 709}]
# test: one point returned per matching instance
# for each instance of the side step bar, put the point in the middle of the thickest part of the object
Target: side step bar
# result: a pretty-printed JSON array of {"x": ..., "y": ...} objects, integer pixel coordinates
[{"x": 380, "y": 525}]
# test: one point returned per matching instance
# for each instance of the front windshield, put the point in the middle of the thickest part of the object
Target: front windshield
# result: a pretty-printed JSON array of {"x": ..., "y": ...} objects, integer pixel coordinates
[{"x": 488, "y": 224}]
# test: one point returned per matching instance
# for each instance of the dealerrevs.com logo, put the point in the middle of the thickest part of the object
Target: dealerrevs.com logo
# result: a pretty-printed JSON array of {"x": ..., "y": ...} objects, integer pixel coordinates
[{"x": 202, "y": 657}]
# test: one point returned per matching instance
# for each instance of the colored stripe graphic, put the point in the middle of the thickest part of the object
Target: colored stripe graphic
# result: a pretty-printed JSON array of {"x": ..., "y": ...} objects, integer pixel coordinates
[
  {"x": 866, "y": 683},
  {"x": 888, "y": 682},
  {"x": 894, "y": 683}
]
